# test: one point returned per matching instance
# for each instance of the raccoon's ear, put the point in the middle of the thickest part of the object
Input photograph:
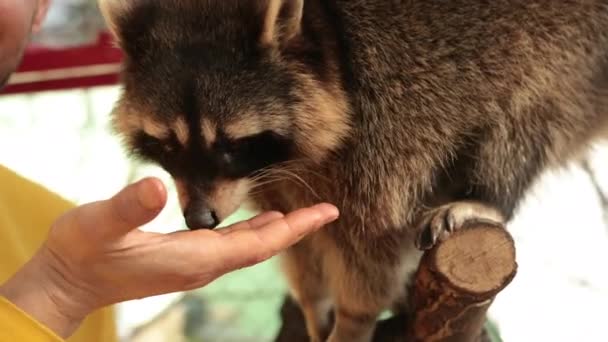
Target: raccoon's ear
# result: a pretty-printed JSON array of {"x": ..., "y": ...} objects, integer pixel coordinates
[
  {"x": 282, "y": 21},
  {"x": 112, "y": 10}
]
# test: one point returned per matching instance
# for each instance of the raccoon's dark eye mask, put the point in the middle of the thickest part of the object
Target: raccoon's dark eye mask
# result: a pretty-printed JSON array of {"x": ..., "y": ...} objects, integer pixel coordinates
[
  {"x": 243, "y": 157},
  {"x": 228, "y": 158},
  {"x": 154, "y": 149}
]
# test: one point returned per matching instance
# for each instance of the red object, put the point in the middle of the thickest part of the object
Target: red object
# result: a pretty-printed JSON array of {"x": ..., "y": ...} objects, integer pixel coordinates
[{"x": 75, "y": 67}]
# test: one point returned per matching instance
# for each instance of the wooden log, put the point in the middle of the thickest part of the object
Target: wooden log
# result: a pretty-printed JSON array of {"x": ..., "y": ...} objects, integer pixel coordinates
[
  {"x": 454, "y": 287},
  {"x": 457, "y": 281}
]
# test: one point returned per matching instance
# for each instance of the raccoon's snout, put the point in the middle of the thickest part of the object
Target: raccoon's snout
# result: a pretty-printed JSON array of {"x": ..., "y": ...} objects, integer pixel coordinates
[
  {"x": 200, "y": 216},
  {"x": 206, "y": 206}
]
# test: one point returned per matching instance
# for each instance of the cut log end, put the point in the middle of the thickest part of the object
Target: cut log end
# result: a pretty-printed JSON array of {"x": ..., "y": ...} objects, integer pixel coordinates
[{"x": 479, "y": 262}]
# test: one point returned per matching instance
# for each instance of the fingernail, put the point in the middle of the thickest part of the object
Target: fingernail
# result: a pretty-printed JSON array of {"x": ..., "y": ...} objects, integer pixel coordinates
[
  {"x": 330, "y": 213},
  {"x": 149, "y": 193}
]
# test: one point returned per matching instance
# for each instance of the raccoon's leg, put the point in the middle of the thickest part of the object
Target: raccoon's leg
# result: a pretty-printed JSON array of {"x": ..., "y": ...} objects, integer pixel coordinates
[
  {"x": 365, "y": 286},
  {"x": 437, "y": 224},
  {"x": 355, "y": 327},
  {"x": 495, "y": 168},
  {"x": 305, "y": 277},
  {"x": 357, "y": 308}
]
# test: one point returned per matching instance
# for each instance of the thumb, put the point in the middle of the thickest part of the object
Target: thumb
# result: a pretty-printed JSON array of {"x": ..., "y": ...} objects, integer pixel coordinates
[{"x": 132, "y": 207}]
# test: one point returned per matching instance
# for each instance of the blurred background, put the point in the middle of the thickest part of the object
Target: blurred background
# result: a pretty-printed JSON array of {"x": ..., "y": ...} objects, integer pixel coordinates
[{"x": 54, "y": 130}]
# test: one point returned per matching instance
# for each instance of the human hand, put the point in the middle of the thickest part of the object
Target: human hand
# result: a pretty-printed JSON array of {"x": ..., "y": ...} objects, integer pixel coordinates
[{"x": 95, "y": 256}]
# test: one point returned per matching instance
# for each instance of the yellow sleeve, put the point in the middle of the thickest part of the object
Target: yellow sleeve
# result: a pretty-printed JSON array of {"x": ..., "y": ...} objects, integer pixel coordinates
[
  {"x": 27, "y": 210},
  {"x": 16, "y": 325}
]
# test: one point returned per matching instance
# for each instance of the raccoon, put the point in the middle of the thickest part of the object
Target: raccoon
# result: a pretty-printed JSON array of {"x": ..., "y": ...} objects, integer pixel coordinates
[{"x": 413, "y": 117}]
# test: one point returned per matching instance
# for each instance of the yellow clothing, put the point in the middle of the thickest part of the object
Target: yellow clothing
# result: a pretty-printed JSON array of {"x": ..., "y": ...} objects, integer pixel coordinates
[
  {"x": 27, "y": 210},
  {"x": 16, "y": 325}
]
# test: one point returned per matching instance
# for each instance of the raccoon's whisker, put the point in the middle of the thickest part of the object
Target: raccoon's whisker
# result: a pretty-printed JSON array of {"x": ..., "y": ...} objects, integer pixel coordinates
[
  {"x": 255, "y": 193},
  {"x": 285, "y": 171},
  {"x": 265, "y": 177},
  {"x": 283, "y": 175},
  {"x": 302, "y": 170},
  {"x": 261, "y": 176},
  {"x": 300, "y": 180},
  {"x": 309, "y": 171},
  {"x": 266, "y": 173},
  {"x": 269, "y": 169},
  {"x": 293, "y": 161},
  {"x": 295, "y": 165},
  {"x": 261, "y": 184}
]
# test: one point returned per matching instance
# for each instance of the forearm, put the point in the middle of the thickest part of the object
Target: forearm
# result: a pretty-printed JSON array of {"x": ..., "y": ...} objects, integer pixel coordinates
[{"x": 34, "y": 292}]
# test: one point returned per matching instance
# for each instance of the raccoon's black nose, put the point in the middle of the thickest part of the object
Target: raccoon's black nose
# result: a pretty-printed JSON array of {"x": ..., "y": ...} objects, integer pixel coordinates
[{"x": 198, "y": 217}]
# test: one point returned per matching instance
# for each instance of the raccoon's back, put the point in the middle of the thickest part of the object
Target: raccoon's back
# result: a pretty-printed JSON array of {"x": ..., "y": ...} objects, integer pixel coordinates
[
  {"x": 466, "y": 53},
  {"x": 427, "y": 78},
  {"x": 437, "y": 70}
]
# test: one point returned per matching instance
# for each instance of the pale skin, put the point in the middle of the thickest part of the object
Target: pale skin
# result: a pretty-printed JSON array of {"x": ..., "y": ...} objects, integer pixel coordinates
[
  {"x": 19, "y": 19},
  {"x": 95, "y": 255}
]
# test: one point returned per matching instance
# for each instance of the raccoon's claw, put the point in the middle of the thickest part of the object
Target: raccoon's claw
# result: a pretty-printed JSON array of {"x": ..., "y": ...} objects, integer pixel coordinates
[{"x": 439, "y": 223}]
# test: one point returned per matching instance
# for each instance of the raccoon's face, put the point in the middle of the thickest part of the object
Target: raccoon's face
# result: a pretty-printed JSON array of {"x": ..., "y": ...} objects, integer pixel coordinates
[{"x": 217, "y": 91}]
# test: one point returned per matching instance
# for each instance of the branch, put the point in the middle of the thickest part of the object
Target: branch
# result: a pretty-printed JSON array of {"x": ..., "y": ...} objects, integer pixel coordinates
[
  {"x": 457, "y": 282},
  {"x": 603, "y": 198}
]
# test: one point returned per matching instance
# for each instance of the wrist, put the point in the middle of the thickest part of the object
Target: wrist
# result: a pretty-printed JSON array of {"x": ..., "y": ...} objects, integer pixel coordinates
[{"x": 40, "y": 294}]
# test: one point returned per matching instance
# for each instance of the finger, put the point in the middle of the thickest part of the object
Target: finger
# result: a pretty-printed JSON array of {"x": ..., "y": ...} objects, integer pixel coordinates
[
  {"x": 252, "y": 223},
  {"x": 243, "y": 248},
  {"x": 134, "y": 206},
  {"x": 195, "y": 258}
]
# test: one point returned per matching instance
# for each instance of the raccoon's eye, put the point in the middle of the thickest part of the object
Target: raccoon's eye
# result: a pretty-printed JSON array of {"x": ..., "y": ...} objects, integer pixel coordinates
[
  {"x": 154, "y": 149},
  {"x": 243, "y": 157}
]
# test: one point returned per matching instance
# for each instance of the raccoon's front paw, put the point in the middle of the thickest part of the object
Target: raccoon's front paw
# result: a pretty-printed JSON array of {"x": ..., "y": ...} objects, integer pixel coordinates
[{"x": 437, "y": 224}]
